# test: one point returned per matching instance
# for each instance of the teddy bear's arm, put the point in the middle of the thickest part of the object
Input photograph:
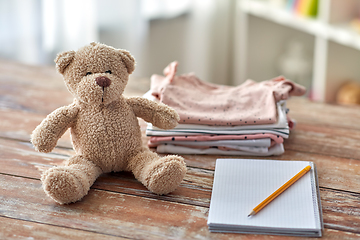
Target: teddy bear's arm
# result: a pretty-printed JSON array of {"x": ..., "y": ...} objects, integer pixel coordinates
[
  {"x": 46, "y": 135},
  {"x": 159, "y": 114}
]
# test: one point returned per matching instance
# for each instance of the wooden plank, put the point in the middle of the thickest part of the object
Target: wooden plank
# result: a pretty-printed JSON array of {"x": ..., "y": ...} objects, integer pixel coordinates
[
  {"x": 125, "y": 183},
  {"x": 12, "y": 229},
  {"x": 196, "y": 188},
  {"x": 324, "y": 140},
  {"x": 130, "y": 216},
  {"x": 17, "y": 124},
  {"x": 31, "y": 89},
  {"x": 340, "y": 210},
  {"x": 29, "y": 93},
  {"x": 335, "y": 116},
  {"x": 335, "y": 234},
  {"x": 42, "y": 76},
  {"x": 20, "y": 229},
  {"x": 19, "y": 158},
  {"x": 333, "y": 172},
  {"x": 105, "y": 212}
]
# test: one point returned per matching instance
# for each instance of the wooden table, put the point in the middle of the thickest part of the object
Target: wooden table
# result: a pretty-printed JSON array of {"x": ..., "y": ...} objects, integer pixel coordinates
[{"x": 118, "y": 206}]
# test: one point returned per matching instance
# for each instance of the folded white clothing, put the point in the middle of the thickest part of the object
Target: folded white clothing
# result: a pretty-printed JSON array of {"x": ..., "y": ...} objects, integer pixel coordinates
[
  {"x": 277, "y": 149},
  {"x": 261, "y": 142},
  {"x": 151, "y": 131}
]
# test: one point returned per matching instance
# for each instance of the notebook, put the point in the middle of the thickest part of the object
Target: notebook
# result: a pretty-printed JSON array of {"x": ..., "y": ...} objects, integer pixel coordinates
[{"x": 241, "y": 184}]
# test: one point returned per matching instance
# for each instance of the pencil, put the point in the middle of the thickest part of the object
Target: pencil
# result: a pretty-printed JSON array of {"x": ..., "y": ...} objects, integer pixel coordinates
[{"x": 279, "y": 191}]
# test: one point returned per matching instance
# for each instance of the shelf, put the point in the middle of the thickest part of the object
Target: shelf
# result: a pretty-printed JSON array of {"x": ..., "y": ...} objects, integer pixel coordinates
[
  {"x": 333, "y": 47},
  {"x": 344, "y": 35},
  {"x": 341, "y": 34}
]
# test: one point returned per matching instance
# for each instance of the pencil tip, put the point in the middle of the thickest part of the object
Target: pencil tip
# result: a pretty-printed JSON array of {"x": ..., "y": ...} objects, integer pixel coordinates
[{"x": 252, "y": 213}]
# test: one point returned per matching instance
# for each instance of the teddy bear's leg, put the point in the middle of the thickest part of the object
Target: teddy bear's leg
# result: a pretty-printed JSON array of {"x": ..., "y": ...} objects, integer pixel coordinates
[
  {"x": 70, "y": 183},
  {"x": 161, "y": 175}
]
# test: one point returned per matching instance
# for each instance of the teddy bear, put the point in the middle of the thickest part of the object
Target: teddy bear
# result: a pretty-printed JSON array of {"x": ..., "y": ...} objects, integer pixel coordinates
[
  {"x": 104, "y": 128},
  {"x": 349, "y": 93}
]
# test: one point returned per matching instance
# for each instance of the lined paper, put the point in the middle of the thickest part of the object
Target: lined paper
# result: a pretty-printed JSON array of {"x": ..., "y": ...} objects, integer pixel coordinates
[{"x": 240, "y": 185}]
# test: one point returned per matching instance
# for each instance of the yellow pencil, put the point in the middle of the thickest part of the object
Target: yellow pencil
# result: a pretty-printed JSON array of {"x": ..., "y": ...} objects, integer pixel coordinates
[{"x": 279, "y": 191}]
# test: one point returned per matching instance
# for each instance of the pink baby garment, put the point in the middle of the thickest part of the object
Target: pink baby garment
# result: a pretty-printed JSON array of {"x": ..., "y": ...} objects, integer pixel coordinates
[
  {"x": 199, "y": 102},
  {"x": 194, "y": 138}
]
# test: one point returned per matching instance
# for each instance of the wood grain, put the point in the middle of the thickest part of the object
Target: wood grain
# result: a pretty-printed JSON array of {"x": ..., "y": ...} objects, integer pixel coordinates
[
  {"x": 323, "y": 140},
  {"x": 340, "y": 210},
  {"x": 326, "y": 115},
  {"x": 20, "y": 229},
  {"x": 18, "y": 159},
  {"x": 106, "y": 212},
  {"x": 119, "y": 207},
  {"x": 129, "y": 216}
]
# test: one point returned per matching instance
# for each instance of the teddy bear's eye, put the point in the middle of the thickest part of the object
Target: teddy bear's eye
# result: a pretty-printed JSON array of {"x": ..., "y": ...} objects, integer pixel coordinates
[
  {"x": 108, "y": 71},
  {"x": 88, "y": 73}
]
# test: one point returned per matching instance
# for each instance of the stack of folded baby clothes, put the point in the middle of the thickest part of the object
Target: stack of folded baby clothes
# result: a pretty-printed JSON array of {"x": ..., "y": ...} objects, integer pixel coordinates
[{"x": 249, "y": 119}]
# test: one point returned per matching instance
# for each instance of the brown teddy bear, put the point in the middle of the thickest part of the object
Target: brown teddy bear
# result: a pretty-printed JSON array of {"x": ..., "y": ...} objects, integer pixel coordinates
[
  {"x": 349, "y": 93},
  {"x": 104, "y": 128}
]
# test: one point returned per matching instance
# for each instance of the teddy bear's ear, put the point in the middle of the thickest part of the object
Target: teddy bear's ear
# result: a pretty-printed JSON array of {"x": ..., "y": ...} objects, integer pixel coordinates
[
  {"x": 63, "y": 60},
  {"x": 128, "y": 60}
]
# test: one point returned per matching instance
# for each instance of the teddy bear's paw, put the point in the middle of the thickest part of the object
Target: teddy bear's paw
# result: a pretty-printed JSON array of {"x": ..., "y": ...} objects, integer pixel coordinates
[
  {"x": 166, "y": 176},
  {"x": 168, "y": 123},
  {"x": 167, "y": 119},
  {"x": 41, "y": 144},
  {"x": 63, "y": 185}
]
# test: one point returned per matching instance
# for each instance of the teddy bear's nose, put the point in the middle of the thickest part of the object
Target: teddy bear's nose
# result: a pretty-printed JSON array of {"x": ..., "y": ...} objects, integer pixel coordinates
[{"x": 103, "y": 81}]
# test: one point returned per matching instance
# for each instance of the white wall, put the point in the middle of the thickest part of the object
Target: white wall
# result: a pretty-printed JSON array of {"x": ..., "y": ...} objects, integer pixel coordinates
[{"x": 197, "y": 33}]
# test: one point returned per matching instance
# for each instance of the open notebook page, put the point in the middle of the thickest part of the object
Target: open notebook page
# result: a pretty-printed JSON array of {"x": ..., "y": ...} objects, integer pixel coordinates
[{"x": 240, "y": 185}]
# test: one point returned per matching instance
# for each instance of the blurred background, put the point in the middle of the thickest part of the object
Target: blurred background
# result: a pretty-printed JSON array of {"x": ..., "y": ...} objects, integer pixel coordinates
[
  {"x": 313, "y": 42},
  {"x": 194, "y": 32}
]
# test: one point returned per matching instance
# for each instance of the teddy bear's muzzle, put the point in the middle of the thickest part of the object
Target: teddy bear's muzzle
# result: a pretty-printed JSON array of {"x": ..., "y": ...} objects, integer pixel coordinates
[{"x": 103, "y": 81}]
